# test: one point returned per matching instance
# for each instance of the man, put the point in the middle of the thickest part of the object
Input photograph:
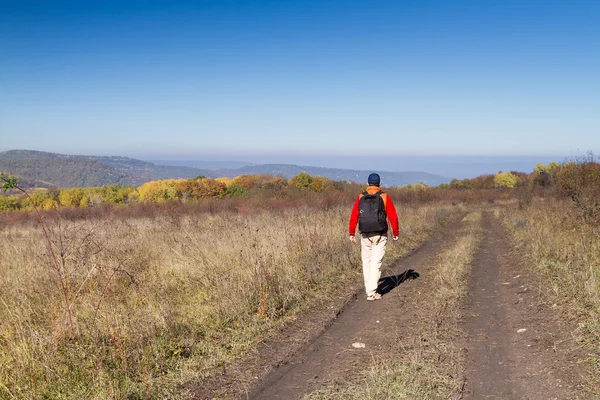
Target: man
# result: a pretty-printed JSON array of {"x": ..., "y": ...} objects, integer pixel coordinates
[{"x": 373, "y": 210}]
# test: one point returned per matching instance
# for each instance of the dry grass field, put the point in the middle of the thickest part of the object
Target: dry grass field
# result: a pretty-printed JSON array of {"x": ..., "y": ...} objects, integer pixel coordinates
[
  {"x": 145, "y": 301},
  {"x": 157, "y": 302}
]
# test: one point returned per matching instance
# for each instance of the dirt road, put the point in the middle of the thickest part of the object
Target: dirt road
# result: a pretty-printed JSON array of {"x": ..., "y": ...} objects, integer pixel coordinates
[
  {"x": 513, "y": 345},
  {"x": 331, "y": 357}
]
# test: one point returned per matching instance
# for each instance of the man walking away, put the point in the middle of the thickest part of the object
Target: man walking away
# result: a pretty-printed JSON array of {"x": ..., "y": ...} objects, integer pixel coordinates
[{"x": 373, "y": 210}]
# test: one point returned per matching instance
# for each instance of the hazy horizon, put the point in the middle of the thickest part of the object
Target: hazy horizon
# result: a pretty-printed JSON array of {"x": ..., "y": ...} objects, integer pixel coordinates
[{"x": 450, "y": 166}]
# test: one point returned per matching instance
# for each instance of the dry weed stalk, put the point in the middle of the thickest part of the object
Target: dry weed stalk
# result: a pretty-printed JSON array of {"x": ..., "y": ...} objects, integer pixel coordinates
[{"x": 10, "y": 183}]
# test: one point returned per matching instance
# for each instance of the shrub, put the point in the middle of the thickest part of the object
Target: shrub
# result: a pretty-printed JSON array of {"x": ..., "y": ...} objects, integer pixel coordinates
[
  {"x": 247, "y": 181},
  {"x": 116, "y": 194},
  {"x": 318, "y": 184},
  {"x": 210, "y": 188},
  {"x": 267, "y": 182},
  {"x": 43, "y": 199},
  {"x": 160, "y": 190},
  {"x": 9, "y": 203},
  {"x": 227, "y": 181},
  {"x": 302, "y": 181},
  {"x": 506, "y": 180},
  {"x": 580, "y": 182},
  {"x": 71, "y": 197},
  {"x": 189, "y": 188},
  {"x": 236, "y": 190}
]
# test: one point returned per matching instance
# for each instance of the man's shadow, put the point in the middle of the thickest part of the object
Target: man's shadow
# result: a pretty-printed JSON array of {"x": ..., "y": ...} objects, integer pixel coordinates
[{"x": 389, "y": 283}]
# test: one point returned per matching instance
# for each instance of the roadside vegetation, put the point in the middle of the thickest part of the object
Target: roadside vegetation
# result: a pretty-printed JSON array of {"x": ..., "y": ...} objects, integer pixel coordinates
[
  {"x": 560, "y": 233},
  {"x": 149, "y": 299},
  {"x": 157, "y": 286}
]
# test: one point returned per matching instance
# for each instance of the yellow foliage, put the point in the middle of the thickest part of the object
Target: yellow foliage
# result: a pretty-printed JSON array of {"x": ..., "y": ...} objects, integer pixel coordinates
[
  {"x": 49, "y": 204},
  {"x": 227, "y": 181},
  {"x": 539, "y": 168},
  {"x": 85, "y": 200},
  {"x": 162, "y": 190},
  {"x": 71, "y": 197},
  {"x": 506, "y": 180}
]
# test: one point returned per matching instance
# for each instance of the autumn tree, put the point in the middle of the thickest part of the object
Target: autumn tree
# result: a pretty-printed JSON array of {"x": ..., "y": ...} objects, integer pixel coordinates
[
  {"x": 302, "y": 181},
  {"x": 71, "y": 197},
  {"x": 210, "y": 188},
  {"x": 580, "y": 182},
  {"x": 543, "y": 175},
  {"x": 247, "y": 181},
  {"x": 158, "y": 191},
  {"x": 506, "y": 180}
]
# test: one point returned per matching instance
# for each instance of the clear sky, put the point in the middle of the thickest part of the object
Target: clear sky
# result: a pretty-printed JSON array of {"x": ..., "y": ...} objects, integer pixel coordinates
[{"x": 186, "y": 79}]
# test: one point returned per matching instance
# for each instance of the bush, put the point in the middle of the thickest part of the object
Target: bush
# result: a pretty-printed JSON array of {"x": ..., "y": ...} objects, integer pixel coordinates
[
  {"x": 71, "y": 197},
  {"x": 247, "y": 181},
  {"x": 157, "y": 191},
  {"x": 580, "y": 182},
  {"x": 302, "y": 181},
  {"x": 116, "y": 194},
  {"x": 210, "y": 188},
  {"x": 236, "y": 190},
  {"x": 9, "y": 203},
  {"x": 506, "y": 180},
  {"x": 42, "y": 199}
]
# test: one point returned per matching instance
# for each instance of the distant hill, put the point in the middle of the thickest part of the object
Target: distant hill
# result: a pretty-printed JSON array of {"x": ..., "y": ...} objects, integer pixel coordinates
[
  {"x": 387, "y": 178},
  {"x": 59, "y": 170},
  {"x": 49, "y": 169},
  {"x": 203, "y": 164},
  {"x": 43, "y": 169}
]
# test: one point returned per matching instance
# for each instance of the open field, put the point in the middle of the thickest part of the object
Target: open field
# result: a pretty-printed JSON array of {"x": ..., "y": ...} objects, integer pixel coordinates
[
  {"x": 474, "y": 323},
  {"x": 170, "y": 299},
  {"x": 162, "y": 301}
]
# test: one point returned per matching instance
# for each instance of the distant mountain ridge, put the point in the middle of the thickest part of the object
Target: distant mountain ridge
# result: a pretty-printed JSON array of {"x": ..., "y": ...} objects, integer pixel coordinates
[
  {"x": 203, "y": 164},
  {"x": 388, "y": 178},
  {"x": 43, "y": 169}
]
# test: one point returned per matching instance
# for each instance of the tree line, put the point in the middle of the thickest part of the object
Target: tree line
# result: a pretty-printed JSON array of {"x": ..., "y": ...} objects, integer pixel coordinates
[
  {"x": 164, "y": 190},
  {"x": 578, "y": 181}
]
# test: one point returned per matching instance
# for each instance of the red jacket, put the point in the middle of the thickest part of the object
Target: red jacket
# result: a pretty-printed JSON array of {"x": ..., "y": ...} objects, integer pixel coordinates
[{"x": 390, "y": 210}]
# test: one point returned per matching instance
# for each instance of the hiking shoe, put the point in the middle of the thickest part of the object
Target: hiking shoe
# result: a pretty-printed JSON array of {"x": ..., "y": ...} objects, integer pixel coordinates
[{"x": 372, "y": 297}]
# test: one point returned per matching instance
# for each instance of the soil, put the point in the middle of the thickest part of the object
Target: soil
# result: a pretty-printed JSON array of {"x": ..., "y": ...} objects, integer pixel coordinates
[{"x": 515, "y": 347}]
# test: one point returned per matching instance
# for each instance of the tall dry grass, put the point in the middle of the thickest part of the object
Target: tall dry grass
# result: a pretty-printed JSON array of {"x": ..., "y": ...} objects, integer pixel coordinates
[
  {"x": 566, "y": 250},
  {"x": 164, "y": 300}
]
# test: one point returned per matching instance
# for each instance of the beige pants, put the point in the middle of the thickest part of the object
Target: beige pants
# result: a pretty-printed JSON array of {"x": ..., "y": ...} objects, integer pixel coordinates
[{"x": 372, "y": 251}]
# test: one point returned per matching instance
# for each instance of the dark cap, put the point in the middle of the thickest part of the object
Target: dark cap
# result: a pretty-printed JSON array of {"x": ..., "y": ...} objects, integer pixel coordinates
[{"x": 374, "y": 180}]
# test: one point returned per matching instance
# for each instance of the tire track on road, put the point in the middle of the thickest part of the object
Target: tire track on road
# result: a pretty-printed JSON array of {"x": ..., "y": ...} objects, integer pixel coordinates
[{"x": 510, "y": 336}]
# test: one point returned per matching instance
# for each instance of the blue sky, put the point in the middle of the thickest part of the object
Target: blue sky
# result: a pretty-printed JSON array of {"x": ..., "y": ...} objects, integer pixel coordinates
[{"x": 235, "y": 79}]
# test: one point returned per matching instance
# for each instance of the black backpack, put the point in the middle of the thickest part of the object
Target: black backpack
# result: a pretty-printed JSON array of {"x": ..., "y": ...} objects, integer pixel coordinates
[{"x": 372, "y": 216}]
